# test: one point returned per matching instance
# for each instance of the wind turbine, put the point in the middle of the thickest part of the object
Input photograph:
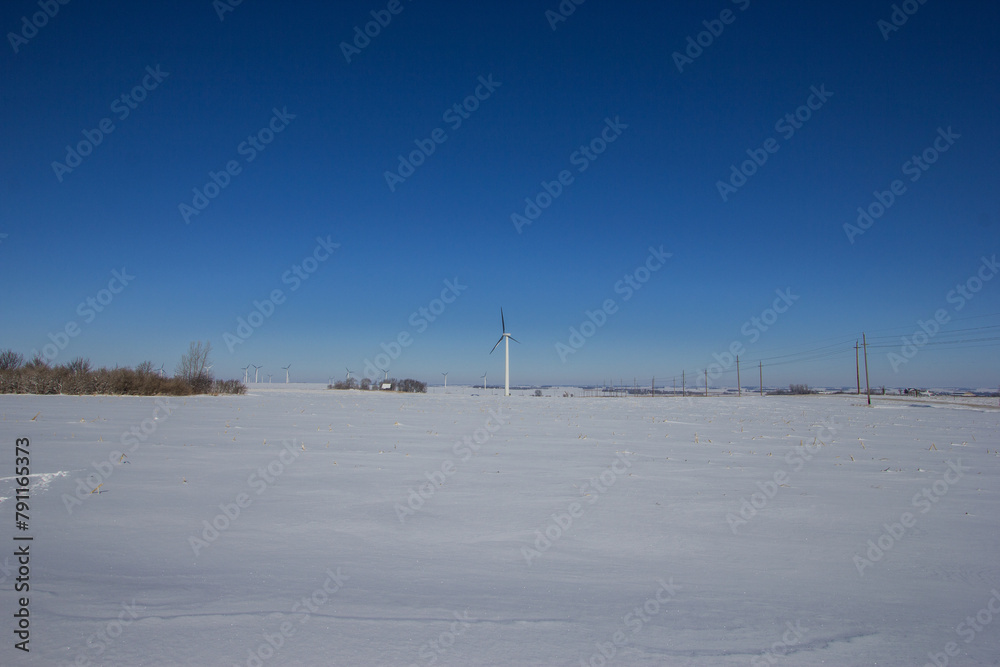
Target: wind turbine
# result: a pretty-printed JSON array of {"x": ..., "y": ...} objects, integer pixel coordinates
[
  {"x": 285, "y": 368},
  {"x": 349, "y": 371},
  {"x": 160, "y": 370},
  {"x": 256, "y": 371},
  {"x": 445, "y": 380},
  {"x": 484, "y": 380},
  {"x": 386, "y": 374},
  {"x": 246, "y": 370},
  {"x": 269, "y": 378},
  {"x": 505, "y": 338}
]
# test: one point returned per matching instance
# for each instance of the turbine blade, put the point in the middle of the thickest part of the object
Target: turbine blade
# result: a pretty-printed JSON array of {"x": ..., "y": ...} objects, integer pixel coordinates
[
  {"x": 495, "y": 346},
  {"x": 513, "y": 339},
  {"x": 503, "y": 325}
]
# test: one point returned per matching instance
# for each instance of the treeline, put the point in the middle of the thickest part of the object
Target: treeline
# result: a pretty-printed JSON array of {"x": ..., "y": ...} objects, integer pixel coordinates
[
  {"x": 409, "y": 385},
  {"x": 78, "y": 378}
]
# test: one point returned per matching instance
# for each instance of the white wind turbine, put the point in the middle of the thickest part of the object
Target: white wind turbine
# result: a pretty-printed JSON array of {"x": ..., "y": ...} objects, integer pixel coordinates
[
  {"x": 246, "y": 370},
  {"x": 285, "y": 368},
  {"x": 160, "y": 370},
  {"x": 349, "y": 371},
  {"x": 256, "y": 372},
  {"x": 445, "y": 380},
  {"x": 484, "y": 380},
  {"x": 505, "y": 338}
]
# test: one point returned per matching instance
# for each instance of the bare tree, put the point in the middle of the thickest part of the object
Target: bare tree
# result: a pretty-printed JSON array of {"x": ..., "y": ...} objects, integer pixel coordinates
[
  {"x": 192, "y": 366},
  {"x": 10, "y": 360}
]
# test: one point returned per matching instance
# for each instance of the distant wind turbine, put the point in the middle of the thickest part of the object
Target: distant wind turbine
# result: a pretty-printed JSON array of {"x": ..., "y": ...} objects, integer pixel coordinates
[
  {"x": 445, "y": 380},
  {"x": 256, "y": 371},
  {"x": 285, "y": 368},
  {"x": 160, "y": 370},
  {"x": 349, "y": 371},
  {"x": 246, "y": 370},
  {"x": 505, "y": 338},
  {"x": 484, "y": 380},
  {"x": 386, "y": 374},
  {"x": 269, "y": 378}
]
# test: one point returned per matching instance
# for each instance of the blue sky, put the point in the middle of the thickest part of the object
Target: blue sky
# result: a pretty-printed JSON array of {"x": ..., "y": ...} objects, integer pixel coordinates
[{"x": 201, "y": 92}]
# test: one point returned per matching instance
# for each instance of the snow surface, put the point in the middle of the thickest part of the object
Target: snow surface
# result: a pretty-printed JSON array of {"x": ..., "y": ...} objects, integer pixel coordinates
[{"x": 655, "y": 557}]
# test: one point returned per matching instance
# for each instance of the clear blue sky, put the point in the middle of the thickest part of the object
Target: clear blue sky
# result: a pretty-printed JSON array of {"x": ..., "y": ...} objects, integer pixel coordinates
[{"x": 212, "y": 84}]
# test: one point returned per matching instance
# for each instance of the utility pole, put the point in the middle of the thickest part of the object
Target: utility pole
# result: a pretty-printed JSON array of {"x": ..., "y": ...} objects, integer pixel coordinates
[
  {"x": 868, "y": 387},
  {"x": 857, "y": 366},
  {"x": 706, "y": 383},
  {"x": 760, "y": 367},
  {"x": 739, "y": 389}
]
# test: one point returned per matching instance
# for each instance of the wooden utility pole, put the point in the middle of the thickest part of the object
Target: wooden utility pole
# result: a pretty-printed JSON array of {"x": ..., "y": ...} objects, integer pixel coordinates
[
  {"x": 760, "y": 367},
  {"x": 706, "y": 383},
  {"x": 857, "y": 366},
  {"x": 739, "y": 390},
  {"x": 868, "y": 387}
]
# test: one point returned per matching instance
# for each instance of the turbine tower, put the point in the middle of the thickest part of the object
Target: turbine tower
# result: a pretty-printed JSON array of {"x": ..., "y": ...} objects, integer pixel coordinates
[
  {"x": 445, "y": 380},
  {"x": 505, "y": 338},
  {"x": 256, "y": 372},
  {"x": 246, "y": 371},
  {"x": 484, "y": 380},
  {"x": 349, "y": 371},
  {"x": 285, "y": 368}
]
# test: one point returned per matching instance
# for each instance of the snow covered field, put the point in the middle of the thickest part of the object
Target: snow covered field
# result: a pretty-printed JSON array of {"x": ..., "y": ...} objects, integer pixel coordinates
[{"x": 301, "y": 526}]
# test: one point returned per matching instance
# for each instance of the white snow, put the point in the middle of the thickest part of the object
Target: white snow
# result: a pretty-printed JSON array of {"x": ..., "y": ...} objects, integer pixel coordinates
[{"x": 338, "y": 559}]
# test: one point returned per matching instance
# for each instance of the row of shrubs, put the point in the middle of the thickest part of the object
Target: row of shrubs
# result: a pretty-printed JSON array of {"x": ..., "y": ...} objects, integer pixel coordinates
[
  {"x": 77, "y": 377},
  {"x": 408, "y": 385}
]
